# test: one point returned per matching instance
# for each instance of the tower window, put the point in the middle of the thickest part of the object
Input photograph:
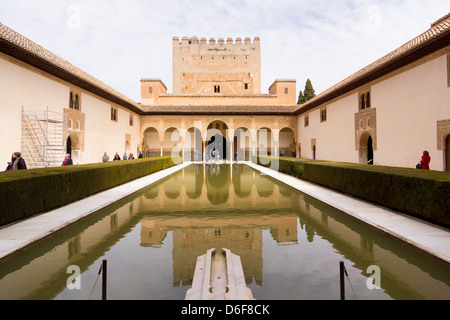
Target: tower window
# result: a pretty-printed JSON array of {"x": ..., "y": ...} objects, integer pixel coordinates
[
  {"x": 246, "y": 86},
  {"x": 216, "y": 89}
]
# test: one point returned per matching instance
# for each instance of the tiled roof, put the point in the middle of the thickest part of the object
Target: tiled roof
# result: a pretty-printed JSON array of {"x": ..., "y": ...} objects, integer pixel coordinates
[
  {"x": 18, "y": 46},
  {"x": 436, "y": 38},
  {"x": 221, "y": 110}
]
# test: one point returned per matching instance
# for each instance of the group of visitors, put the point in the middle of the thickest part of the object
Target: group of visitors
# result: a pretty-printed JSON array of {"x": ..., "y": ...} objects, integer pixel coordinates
[
  {"x": 285, "y": 154},
  {"x": 214, "y": 155},
  {"x": 105, "y": 157},
  {"x": 16, "y": 163}
]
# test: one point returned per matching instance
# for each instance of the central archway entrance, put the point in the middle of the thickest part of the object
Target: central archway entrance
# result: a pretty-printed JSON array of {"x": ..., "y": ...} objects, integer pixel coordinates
[{"x": 217, "y": 144}]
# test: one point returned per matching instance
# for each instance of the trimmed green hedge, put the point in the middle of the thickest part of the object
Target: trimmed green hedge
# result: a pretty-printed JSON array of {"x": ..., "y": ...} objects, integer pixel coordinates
[
  {"x": 419, "y": 193},
  {"x": 30, "y": 192}
]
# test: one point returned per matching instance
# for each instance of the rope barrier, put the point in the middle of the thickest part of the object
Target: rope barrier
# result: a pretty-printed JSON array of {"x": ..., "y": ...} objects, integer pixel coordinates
[{"x": 96, "y": 280}]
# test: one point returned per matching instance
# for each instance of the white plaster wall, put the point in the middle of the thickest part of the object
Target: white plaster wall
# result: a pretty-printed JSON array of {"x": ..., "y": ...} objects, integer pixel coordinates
[
  {"x": 408, "y": 105},
  {"x": 335, "y": 138},
  {"x": 23, "y": 85},
  {"x": 19, "y": 86},
  {"x": 408, "y": 108},
  {"x": 104, "y": 135}
]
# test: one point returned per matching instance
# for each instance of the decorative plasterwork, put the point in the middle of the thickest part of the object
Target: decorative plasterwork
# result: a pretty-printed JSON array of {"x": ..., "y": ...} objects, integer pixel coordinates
[{"x": 366, "y": 124}]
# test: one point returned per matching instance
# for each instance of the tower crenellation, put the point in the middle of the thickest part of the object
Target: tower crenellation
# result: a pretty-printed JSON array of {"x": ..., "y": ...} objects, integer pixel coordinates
[
  {"x": 216, "y": 65},
  {"x": 213, "y": 41}
]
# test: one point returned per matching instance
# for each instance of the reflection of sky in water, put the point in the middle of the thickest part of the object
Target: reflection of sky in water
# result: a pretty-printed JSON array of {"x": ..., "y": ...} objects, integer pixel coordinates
[{"x": 290, "y": 245}]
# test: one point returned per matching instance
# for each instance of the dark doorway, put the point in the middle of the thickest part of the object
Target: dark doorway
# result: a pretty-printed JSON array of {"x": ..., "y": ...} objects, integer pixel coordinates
[
  {"x": 370, "y": 151},
  {"x": 219, "y": 144},
  {"x": 69, "y": 146},
  {"x": 447, "y": 154}
]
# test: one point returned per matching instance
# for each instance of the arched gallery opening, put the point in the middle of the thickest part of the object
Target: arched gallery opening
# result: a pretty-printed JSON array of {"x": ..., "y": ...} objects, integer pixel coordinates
[{"x": 217, "y": 144}]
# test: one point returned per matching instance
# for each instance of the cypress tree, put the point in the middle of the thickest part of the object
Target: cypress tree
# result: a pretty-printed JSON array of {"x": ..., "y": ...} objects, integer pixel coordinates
[
  {"x": 301, "y": 98},
  {"x": 309, "y": 92}
]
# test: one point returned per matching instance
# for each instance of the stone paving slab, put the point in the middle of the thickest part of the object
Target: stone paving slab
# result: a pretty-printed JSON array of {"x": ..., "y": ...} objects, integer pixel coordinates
[
  {"x": 427, "y": 237},
  {"x": 19, "y": 235}
]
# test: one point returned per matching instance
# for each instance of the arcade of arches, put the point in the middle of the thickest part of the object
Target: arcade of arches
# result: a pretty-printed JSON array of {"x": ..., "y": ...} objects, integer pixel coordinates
[{"x": 230, "y": 138}]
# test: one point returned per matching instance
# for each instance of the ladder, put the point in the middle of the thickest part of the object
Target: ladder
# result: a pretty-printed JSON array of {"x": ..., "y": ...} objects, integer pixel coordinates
[{"x": 43, "y": 138}]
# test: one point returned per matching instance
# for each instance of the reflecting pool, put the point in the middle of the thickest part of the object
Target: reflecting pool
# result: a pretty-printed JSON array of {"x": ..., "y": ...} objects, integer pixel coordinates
[{"x": 290, "y": 245}]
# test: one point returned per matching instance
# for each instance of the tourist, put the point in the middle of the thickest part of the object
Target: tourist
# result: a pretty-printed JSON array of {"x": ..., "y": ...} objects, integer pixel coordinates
[
  {"x": 131, "y": 157},
  {"x": 9, "y": 167},
  {"x": 18, "y": 162},
  {"x": 140, "y": 156},
  {"x": 67, "y": 161},
  {"x": 125, "y": 156},
  {"x": 425, "y": 161},
  {"x": 105, "y": 157},
  {"x": 116, "y": 157}
]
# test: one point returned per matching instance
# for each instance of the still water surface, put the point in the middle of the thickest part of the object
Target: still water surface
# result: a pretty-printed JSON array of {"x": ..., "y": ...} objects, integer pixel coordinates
[{"x": 290, "y": 245}]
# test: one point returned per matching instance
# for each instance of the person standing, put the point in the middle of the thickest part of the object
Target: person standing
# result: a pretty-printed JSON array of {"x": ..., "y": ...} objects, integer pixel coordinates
[
  {"x": 67, "y": 161},
  {"x": 125, "y": 156},
  {"x": 18, "y": 162},
  {"x": 105, "y": 157},
  {"x": 425, "y": 161},
  {"x": 116, "y": 157}
]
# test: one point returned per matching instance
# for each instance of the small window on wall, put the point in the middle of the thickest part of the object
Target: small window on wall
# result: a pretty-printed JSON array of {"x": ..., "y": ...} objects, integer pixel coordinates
[
  {"x": 365, "y": 100},
  {"x": 306, "y": 121},
  {"x": 77, "y": 103},
  {"x": 286, "y": 90},
  {"x": 150, "y": 90},
  {"x": 131, "y": 120},
  {"x": 71, "y": 101},
  {"x": 74, "y": 101},
  {"x": 113, "y": 114},
  {"x": 216, "y": 89},
  {"x": 323, "y": 115}
]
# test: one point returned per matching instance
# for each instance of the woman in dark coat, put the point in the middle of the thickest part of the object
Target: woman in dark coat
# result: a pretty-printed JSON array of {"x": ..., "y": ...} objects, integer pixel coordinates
[
  {"x": 18, "y": 162},
  {"x": 425, "y": 162}
]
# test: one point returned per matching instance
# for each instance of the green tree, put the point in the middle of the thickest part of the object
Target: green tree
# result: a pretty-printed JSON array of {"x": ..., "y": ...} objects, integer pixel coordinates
[
  {"x": 301, "y": 98},
  {"x": 307, "y": 94}
]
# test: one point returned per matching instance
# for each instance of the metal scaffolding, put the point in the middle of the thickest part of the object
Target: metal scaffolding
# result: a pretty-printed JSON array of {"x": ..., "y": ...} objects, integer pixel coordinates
[{"x": 43, "y": 138}]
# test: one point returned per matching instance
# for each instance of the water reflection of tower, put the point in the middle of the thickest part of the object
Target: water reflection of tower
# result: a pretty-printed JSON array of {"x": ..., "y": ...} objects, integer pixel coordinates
[{"x": 222, "y": 207}]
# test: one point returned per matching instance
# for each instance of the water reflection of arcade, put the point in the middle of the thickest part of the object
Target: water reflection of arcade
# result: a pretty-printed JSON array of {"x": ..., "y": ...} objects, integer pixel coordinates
[{"x": 226, "y": 211}]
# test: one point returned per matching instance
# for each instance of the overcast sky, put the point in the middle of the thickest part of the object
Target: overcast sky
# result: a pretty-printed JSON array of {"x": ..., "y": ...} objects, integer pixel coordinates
[{"x": 120, "y": 42}]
